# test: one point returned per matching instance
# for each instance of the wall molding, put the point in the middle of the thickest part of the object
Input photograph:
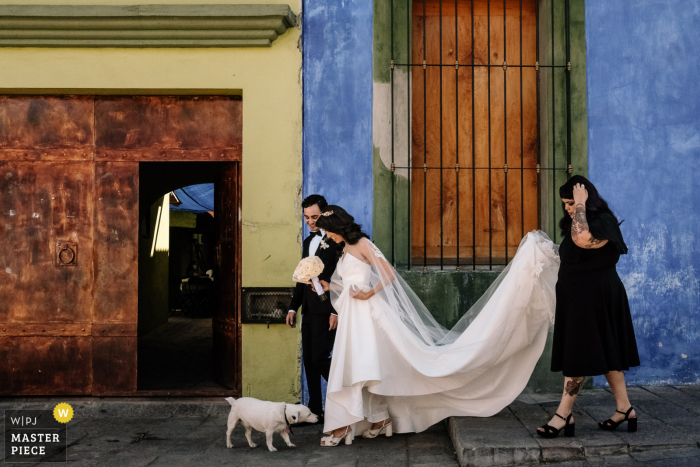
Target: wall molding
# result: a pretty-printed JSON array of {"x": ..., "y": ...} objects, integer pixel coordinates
[{"x": 143, "y": 26}]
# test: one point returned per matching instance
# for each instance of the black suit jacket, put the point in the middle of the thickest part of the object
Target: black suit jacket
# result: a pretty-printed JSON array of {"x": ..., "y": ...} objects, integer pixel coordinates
[{"x": 304, "y": 294}]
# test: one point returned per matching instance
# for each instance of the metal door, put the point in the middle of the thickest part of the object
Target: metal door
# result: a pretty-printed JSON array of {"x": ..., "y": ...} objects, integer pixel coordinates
[{"x": 227, "y": 319}]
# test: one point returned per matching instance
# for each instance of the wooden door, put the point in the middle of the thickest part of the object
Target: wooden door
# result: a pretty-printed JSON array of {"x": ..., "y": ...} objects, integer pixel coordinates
[
  {"x": 481, "y": 118},
  {"x": 227, "y": 319}
]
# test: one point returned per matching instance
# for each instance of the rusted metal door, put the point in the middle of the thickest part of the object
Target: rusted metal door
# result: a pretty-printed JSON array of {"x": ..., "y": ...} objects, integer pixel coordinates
[
  {"x": 46, "y": 268},
  {"x": 115, "y": 315},
  {"x": 227, "y": 319},
  {"x": 69, "y": 203}
]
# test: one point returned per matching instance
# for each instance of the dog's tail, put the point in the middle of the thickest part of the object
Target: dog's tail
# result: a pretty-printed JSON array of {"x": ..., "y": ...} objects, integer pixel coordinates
[{"x": 231, "y": 401}]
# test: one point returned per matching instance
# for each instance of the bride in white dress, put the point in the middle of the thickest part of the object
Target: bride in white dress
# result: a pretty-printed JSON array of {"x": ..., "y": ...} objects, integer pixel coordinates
[{"x": 395, "y": 367}]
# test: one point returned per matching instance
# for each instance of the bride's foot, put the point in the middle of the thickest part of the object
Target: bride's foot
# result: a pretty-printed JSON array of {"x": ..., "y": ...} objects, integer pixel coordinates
[
  {"x": 557, "y": 422},
  {"x": 382, "y": 424},
  {"x": 337, "y": 436},
  {"x": 379, "y": 428},
  {"x": 340, "y": 432}
]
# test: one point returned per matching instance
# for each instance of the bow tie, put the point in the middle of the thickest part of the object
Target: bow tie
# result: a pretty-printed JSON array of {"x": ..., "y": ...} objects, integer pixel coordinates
[{"x": 318, "y": 232}]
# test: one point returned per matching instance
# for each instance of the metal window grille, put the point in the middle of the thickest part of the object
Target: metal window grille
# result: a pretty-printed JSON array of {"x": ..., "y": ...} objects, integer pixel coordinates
[{"x": 473, "y": 194}]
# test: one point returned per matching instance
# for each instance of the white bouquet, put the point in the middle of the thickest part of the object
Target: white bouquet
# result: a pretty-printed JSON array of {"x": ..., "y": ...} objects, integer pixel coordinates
[{"x": 307, "y": 272}]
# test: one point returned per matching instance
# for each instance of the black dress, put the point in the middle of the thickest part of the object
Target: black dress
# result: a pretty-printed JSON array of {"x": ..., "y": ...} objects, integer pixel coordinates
[{"x": 593, "y": 331}]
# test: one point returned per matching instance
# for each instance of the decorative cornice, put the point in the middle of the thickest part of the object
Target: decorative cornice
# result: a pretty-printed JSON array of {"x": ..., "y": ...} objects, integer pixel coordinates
[{"x": 140, "y": 26}]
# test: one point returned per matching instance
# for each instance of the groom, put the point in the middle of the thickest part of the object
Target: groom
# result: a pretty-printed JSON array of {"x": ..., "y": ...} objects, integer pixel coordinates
[{"x": 319, "y": 318}]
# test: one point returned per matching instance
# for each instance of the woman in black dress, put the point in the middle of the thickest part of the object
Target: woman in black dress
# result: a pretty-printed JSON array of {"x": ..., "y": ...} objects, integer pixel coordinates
[{"x": 593, "y": 332}]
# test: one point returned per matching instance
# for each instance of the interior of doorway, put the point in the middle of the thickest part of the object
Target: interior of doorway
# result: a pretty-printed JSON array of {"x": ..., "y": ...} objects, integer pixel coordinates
[{"x": 176, "y": 280}]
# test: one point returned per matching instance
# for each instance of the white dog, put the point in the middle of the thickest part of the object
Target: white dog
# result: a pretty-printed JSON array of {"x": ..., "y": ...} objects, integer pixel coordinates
[{"x": 267, "y": 417}]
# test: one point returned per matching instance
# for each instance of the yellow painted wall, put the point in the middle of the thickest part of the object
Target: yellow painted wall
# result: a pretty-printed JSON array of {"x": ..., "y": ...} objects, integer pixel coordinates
[{"x": 269, "y": 80}]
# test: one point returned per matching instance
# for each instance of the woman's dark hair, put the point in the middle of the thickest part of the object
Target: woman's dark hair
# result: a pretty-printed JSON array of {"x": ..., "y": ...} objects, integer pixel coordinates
[
  {"x": 314, "y": 199},
  {"x": 341, "y": 223},
  {"x": 595, "y": 204}
]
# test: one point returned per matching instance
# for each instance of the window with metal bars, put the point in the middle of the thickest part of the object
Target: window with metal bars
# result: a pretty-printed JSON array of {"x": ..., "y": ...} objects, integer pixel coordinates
[{"x": 481, "y": 127}]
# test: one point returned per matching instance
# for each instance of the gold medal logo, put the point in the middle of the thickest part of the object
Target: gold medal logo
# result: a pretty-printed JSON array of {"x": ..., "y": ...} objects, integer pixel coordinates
[{"x": 63, "y": 413}]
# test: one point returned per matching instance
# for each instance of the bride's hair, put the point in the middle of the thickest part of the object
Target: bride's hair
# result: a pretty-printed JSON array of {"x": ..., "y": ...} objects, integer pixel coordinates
[
  {"x": 595, "y": 204},
  {"x": 336, "y": 220}
]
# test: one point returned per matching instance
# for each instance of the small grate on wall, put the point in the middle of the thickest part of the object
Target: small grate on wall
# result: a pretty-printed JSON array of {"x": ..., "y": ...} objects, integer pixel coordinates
[{"x": 266, "y": 305}]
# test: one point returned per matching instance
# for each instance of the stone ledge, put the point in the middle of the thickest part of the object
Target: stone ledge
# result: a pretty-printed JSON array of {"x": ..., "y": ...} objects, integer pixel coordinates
[{"x": 143, "y": 26}]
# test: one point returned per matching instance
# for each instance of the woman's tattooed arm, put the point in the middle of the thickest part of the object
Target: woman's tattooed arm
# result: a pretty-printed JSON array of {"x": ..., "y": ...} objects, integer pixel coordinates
[{"x": 580, "y": 233}]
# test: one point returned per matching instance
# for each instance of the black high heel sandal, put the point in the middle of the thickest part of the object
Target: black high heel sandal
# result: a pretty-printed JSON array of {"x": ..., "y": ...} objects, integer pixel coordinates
[
  {"x": 611, "y": 425},
  {"x": 551, "y": 432}
]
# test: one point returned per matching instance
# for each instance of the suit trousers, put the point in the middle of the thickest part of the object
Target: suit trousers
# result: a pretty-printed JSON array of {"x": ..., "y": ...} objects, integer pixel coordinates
[{"x": 317, "y": 345}]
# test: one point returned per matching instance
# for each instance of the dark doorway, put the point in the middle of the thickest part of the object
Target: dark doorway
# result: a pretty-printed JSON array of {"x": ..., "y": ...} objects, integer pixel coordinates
[{"x": 179, "y": 265}]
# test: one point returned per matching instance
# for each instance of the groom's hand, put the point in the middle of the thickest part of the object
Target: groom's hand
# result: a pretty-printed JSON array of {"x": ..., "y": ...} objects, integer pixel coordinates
[
  {"x": 325, "y": 286},
  {"x": 291, "y": 319},
  {"x": 333, "y": 321}
]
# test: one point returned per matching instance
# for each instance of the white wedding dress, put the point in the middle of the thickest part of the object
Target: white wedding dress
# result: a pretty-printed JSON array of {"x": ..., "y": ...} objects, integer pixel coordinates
[{"x": 391, "y": 359}]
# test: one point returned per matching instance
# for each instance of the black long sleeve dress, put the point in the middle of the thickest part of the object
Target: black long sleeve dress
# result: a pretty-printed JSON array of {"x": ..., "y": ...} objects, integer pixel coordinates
[{"x": 593, "y": 332}]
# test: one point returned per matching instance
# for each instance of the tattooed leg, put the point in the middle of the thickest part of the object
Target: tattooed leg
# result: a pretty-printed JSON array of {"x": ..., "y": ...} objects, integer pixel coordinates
[{"x": 573, "y": 386}]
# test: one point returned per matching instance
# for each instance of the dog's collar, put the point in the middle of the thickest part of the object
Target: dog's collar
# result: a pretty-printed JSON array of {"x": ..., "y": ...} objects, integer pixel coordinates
[{"x": 289, "y": 427}]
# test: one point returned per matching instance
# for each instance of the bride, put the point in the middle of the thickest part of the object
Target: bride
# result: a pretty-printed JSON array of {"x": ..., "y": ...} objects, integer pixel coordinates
[{"x": 395, "y": 367}]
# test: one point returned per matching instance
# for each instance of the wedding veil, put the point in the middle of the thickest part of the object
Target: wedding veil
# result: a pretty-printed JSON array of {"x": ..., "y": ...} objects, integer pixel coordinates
[{"x": 536, "y": 254}]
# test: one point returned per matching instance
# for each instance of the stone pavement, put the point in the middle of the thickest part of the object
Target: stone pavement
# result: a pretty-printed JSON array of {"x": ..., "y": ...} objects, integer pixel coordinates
[
  {"x": 191, "y": 432},
  {"x": 668, "y": 431}
]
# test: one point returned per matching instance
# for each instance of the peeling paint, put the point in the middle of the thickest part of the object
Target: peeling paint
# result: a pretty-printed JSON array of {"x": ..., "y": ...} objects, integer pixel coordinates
[
  {"x": 338, "y": 104},
  {"x": 644, "y": 157},
  {"x": 252, "y": 226}
]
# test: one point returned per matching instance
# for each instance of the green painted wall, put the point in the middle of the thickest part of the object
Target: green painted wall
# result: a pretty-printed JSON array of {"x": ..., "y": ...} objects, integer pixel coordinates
[
  {"x": 272, "y": 362},
  {"x": 553, "y": 116},
  {"x": 184, "y": 219},
  {"x": 449, "y": 294},
  {"x": 269, "y": 81}
]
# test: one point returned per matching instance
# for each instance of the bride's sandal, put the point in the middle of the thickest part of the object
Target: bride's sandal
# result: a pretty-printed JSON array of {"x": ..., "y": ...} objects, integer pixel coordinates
[
  {"x": 330, "y": 441},
  {"x": 551, "y": 432},
  {"x": 611, "y": 425},
  {"x": 386, "y": 428}
]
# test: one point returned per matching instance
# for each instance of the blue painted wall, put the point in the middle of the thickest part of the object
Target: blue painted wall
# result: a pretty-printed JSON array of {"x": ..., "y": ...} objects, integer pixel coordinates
[
  {"x": 337, "y": 71},
  {"x": 644, "y": 155},
  {"x": 337, "y": 74}
]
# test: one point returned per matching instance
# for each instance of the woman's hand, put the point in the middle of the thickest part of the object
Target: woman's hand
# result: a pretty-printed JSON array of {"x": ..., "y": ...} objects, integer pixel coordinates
[
  {"x": 356, "y": 292},
  {"x": 362, "y": 295},
  {"x": 325, "y": 285},
  {"x": 580, "y": 194}
]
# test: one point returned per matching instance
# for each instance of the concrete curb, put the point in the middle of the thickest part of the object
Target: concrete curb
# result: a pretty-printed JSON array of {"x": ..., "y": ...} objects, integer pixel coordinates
[{"x": 669, "y": 424}]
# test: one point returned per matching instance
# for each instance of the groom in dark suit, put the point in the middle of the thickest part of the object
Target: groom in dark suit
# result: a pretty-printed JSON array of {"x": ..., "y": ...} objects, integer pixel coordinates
[{"x": 319, "y": 318}]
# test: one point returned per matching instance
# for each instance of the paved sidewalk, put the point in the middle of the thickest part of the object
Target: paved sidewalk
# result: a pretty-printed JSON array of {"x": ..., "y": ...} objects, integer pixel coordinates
[
  {"x": 191, "y": 432},
  {"x": 668, "y": 421},
  {"x": 171, "y": 433}
]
